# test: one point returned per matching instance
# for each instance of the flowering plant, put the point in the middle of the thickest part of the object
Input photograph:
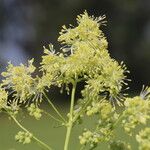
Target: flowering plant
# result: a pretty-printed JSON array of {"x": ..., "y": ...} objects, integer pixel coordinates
[{"x": 83, "y": 57}]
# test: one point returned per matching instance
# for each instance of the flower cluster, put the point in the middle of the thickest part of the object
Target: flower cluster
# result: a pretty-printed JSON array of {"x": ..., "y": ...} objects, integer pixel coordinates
[
  {"x": 89, "y": 137},
  {"x": 119, "y": 145},
  {"x": 3, "y": 98},
  {"x": 104, "y": 129},
  {"x": 34, "y": 111},
  {"x": 84, "y": 56},
  {"x": 136, "y": 112},
  {"x": 88, "y": 44},
  {"x": 19, "y": 79},
  {"x": 143, "y": 138},
  {"x": 87, "y": 30},
  {"x": 23, "y": 137},
  {"x": 103, "y": 108},
  {"x": 51, "y": 67},
  {"x": 90, "y": 58}
]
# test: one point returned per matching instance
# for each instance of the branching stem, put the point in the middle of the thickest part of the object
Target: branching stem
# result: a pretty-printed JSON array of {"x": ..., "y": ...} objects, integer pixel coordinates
[
  {"x": 35, "y": 138},
  {"x": 70, "y": 122},
  {"x": 54, "y": 118},
  {"x": 55, "y": 109}
]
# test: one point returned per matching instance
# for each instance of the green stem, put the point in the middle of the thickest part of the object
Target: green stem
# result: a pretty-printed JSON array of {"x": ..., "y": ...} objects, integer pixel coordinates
[
  {"x": 52, "y": 105},
  {"x": 70, "y": 122},
  {"x": 35, "y": 138}
]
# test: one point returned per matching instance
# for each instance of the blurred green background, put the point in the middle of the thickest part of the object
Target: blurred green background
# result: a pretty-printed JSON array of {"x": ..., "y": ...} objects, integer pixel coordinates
[
  {"x": 48, "y": 131},
  {"x": 25, "y": 26}
]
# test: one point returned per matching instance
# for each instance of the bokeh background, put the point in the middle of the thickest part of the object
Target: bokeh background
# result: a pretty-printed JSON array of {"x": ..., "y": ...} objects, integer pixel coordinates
[{"x": 27, "y": 25}]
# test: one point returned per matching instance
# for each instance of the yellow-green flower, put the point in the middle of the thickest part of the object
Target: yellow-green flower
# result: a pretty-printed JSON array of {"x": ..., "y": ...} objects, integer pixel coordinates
[
  {"x": 143, "y": 138},
  {"x": 87, "y": 30},
  {"x": 34, "y": 111},
  {"x": 20, "y": 80},
  {"x": 136, "y": 112},
  {"x": 3, "y": 98},
  {"x": 23, "y": 137}
]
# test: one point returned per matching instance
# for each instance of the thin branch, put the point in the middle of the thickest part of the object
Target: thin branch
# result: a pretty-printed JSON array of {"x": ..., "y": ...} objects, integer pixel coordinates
[
  {"x": 35, "y": 138},
  {"x": 52, "y": 105},
  {"x": 51, "y": 116}
]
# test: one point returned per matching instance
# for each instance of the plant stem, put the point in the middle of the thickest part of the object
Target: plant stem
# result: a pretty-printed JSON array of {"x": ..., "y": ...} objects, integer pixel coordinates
[
  {"x": 52, "y": 105},
  {"x": 70, "y": 122},
  {"x": 35, "y": 138}
]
